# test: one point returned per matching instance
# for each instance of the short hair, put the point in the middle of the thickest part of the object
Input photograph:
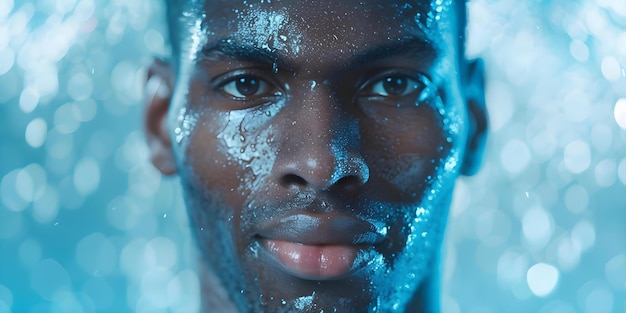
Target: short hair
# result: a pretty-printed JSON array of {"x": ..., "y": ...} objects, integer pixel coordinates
[{"x": 175, "y": 8}]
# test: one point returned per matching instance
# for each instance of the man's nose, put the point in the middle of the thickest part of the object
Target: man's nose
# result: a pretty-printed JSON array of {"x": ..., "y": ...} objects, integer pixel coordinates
[{"x": 322, "y": 145}]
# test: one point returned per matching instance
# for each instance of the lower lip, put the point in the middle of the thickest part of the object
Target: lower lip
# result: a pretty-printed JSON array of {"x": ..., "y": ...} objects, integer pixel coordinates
[{"x": 313, "y": 262}]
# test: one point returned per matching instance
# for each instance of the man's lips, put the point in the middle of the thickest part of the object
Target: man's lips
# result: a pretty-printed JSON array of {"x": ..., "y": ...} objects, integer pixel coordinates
[
  {"x": 315, "y": 262},
  {"x": 322, "y": 229},
  {"x": 317, "y": 246}
]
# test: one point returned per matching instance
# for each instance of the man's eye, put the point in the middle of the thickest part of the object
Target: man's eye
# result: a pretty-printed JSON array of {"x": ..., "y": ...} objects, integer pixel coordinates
[
  {"x": 393, "y": 86},
  {"x": 245, "y": 87}
]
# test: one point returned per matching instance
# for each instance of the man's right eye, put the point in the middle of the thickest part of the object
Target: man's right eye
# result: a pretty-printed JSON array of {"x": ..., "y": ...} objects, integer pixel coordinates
[{"x": 243, "y": 88}]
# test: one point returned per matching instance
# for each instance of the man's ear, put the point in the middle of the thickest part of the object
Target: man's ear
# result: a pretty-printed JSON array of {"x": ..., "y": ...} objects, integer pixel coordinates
[
  {"x": 158, "y": 94},
  {"x": 477, "y": 111}
]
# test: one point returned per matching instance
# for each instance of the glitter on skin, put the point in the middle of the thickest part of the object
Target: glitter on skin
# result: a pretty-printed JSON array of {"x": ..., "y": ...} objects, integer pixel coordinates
[
  {"x": 247, "y": 147},
  {"x": 269, "y": 30}
]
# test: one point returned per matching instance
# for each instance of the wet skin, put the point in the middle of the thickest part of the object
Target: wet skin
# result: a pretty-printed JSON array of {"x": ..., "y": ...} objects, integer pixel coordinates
[{"x": 317, "y": 144}]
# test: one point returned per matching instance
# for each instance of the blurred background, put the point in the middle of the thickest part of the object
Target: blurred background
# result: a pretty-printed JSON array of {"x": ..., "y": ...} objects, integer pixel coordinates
[{"x": 87, "y": 225}]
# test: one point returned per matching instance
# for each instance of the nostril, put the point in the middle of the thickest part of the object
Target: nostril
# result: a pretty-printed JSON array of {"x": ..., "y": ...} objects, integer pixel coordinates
[
  {"x": 348, "y": 183},
  {"x": 292, "y": 179}
]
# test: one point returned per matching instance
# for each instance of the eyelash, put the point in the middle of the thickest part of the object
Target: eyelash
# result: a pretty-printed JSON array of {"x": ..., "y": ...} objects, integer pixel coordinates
[
  {"x": 232, "y": 88},
  {"x": 374, "y": 89},
  {"x": 263, "y": 90}
]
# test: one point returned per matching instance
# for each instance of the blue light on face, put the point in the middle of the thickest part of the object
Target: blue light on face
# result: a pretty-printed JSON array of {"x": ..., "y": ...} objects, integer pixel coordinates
[{"x": 88, "y": 225}]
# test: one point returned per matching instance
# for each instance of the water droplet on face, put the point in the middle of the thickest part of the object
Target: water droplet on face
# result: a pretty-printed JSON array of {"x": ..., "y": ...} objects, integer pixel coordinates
[{"x": 177, "y": 132}]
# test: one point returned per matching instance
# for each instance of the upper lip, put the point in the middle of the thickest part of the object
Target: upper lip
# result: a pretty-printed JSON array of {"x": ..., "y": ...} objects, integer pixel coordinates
[{"x": 329, "y": 228}]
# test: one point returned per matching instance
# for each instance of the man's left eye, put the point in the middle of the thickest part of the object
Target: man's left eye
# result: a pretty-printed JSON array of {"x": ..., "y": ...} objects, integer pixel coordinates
[
  {"x": 245, "y": 87},
  {"x": 393, "y": 86}
]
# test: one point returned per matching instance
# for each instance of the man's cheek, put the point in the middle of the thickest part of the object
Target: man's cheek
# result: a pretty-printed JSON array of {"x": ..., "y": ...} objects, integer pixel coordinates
[
  {"x": 251, "y": 154},
  {"x": 407, "y": 172},
  {"x": 206, "y": 167}
]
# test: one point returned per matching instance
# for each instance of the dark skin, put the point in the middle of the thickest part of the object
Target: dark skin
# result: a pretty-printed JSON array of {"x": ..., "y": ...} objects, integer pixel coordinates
[{"x": 317, "y": 144}]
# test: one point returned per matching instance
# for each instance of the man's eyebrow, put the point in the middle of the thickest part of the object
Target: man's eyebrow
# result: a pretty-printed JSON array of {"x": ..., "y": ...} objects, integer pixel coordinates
[
  {"x": 410, "y": 47},
  {"x": 231, "y": 49},
  {"x": 415, "y": 47}
]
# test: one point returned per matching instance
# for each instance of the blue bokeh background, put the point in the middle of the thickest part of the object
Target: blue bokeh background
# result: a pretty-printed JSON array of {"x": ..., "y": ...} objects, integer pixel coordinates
[{"x": 87, "y": 225}]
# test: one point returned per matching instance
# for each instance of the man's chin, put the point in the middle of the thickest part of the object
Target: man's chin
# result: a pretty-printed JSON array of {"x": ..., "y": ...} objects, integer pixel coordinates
[
  {"x": 281, "y": 290},
  {"x": 319, "y": 301}
]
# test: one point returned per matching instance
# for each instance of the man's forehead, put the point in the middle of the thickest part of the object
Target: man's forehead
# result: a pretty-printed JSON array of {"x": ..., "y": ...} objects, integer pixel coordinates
[
  {"x": 355, "y": 4},
  {"x": 312, "y": 25},
  {"x": 427, "y": 12}
]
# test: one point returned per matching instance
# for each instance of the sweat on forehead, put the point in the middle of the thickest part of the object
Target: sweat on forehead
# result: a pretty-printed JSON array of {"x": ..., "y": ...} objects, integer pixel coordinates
[{"x": 182, "y": 14}]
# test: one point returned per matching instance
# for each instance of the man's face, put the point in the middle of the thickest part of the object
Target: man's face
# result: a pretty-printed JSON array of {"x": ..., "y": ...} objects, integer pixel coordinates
[{"x": 317, "y": 144}]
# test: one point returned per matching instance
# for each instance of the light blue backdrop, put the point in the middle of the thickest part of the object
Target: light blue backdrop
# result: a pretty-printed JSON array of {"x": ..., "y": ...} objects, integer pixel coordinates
[{"x": 87, "y": 225}]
